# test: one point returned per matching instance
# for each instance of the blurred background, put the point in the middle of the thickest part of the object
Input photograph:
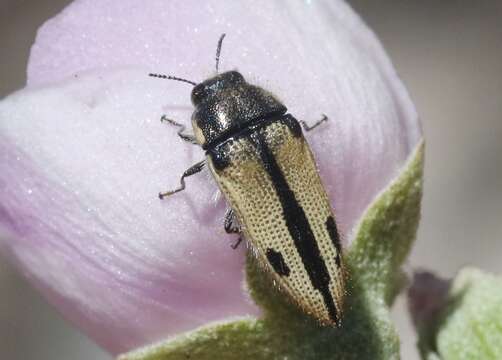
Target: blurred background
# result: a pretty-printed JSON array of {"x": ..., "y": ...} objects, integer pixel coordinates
[{"x": 449, "y": 55}]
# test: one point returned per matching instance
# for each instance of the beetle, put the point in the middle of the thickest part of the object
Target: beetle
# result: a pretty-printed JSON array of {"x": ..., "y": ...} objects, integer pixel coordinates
[{"x": 263, "y": 165}]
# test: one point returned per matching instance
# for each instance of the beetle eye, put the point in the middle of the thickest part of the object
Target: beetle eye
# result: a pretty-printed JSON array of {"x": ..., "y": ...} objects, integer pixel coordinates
[
  {"x": 235, "y": 77},
  {"x": 198, "y": 94}
]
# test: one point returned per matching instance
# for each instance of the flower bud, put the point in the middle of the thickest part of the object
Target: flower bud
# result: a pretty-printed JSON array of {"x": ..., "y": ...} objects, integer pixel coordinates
[{"x": 84, "y": 153}]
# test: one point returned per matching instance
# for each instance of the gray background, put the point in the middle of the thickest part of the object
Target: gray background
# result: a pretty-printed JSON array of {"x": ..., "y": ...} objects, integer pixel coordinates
[{"x": 448, "y": 53}]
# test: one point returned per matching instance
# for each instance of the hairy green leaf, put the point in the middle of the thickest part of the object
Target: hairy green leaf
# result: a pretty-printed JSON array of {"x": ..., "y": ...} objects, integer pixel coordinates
[{"x": 470, "y": 325}]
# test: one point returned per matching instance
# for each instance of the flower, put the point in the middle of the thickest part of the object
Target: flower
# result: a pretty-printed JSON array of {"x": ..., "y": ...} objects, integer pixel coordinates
[{"x": 84, "y": 153}]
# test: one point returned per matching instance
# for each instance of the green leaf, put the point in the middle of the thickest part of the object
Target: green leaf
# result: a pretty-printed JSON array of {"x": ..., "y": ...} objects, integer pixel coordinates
[
  {"x": 386, "y": 233},
  {"x": 470, "y": 326},
  {"x": 382, "y": 242}
]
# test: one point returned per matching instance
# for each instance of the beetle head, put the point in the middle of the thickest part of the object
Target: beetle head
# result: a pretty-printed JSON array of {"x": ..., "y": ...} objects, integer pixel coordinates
[{"x": 226, "y": 103}]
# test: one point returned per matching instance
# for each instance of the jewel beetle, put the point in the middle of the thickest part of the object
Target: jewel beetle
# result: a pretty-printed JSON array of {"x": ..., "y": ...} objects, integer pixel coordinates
[{"x": 263, "y": 165}]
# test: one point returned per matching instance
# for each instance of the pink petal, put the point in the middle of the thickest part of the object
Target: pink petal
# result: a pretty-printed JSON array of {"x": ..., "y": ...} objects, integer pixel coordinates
[
  {"x": 83, "y": 162},
  {"x": 83, "y": 158}
]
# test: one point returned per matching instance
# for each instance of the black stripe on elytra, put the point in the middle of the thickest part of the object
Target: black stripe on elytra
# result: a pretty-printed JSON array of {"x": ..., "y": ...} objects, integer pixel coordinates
[
  {"x": 335, "y": 238},
  {"x": 276, "y": 259},
  {"x": 292, "y": 124},
  {"x": 298, "y": 225},
  {"x": 219, "y": 148}
]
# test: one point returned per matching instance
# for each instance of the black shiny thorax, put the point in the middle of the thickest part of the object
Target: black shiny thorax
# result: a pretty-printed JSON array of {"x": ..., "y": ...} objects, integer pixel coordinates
[{"x": 226, "y": 104}]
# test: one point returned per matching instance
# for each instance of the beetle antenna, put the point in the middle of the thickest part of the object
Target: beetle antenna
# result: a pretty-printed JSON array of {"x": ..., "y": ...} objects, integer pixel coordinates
[
  {"x": 169, "y": 77},
  {"x": 218, "y": 51}
]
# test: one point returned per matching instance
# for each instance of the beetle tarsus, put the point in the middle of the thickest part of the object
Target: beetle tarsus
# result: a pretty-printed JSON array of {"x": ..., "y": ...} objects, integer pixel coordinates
[
  {"x": 236, "y": 245},
  {"x": 185, "y": 137},
  {"x": 189, "y": 172},
  {"x": 307, "y": 127}
]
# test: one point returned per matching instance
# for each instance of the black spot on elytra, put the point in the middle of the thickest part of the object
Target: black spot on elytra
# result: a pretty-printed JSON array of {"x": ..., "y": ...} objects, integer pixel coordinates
[{"x": 277, "y": 261}]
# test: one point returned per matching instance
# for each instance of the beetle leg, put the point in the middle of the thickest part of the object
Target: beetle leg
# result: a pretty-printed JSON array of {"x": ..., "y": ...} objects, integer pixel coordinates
[
  {"x": 232, "y": 227},
  {"x": 307, "y": 128},
  {"x": 185, "y": 137},
  {"x": 230, "y": 224},
  {"x": 190, "y": 171},
  {"x": 237, "y": 243}
]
